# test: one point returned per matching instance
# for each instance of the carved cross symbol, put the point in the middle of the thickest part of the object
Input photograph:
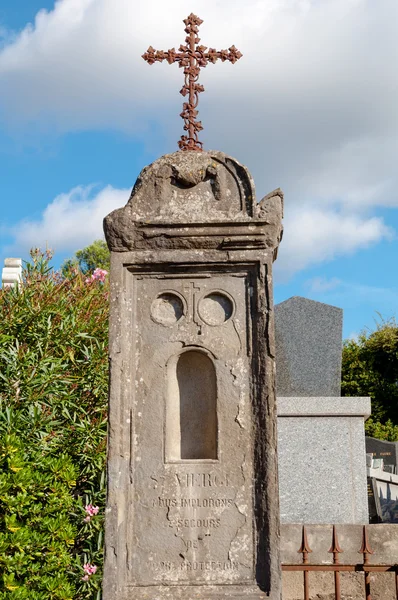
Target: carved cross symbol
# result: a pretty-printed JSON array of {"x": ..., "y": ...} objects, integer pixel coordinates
[
  {"x": 191, "y": 57},
  {"x": 191, "y": 289}
]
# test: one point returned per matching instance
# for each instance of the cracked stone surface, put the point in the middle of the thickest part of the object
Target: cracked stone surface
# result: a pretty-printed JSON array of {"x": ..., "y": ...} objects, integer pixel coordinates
[{"x": 192, "y": 507}]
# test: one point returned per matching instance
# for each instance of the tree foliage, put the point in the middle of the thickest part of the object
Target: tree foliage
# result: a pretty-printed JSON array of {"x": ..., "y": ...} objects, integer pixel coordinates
[
  {"x": 94, "y": 256},
  {"x": 53, "y": 403},
  {"x": 370, "y": 368},
  {"x": 382, "y": 431}
]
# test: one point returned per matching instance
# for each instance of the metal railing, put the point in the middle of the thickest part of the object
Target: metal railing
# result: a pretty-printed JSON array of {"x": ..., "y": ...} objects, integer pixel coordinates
[{"x": 336, "y": 567}]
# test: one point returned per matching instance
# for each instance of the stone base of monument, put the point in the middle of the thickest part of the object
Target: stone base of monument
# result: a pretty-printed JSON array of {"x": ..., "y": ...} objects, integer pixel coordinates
[
  {"x": 322, "y": 460},
  {"x": 199, "y": 591}
]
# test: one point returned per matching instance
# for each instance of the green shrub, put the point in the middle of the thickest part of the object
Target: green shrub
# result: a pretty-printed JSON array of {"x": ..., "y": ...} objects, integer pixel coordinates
[
  {"x": 53, "y": 402},
  {"x": 370, "y": 368},
  {"x": 94, "y": 256},
  {"x": 37, "y": 531},
  {"x": 382, "y": 431}
]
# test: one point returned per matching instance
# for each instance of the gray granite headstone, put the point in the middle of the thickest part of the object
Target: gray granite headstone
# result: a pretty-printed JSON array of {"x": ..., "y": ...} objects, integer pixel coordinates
[
  {"x": 192, "y": 506},
  {"x": 308, "y": 337}
]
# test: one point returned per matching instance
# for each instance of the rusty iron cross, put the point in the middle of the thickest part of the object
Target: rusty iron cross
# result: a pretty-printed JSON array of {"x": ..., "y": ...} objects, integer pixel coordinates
[{"x": 191, "y": 57}]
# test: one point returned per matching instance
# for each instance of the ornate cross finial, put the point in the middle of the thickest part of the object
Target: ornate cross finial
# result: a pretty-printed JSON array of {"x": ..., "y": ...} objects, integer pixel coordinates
[{"x": 192, "y": 57}]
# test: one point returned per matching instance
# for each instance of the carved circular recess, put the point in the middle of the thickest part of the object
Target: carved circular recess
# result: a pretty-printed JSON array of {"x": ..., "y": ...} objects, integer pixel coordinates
[
  {"x": 215, "y": 308},
  {"x": 167, "y": 308}
]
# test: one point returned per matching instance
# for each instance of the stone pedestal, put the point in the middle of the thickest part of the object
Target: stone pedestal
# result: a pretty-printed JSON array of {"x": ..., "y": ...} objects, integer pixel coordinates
[
  {"x": 192, "y": 507},
  {"x": 322, "y": 466}
]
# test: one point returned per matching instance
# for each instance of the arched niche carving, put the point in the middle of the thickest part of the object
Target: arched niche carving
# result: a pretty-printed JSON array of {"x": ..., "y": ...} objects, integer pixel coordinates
[{"x": 191, "y": 430}]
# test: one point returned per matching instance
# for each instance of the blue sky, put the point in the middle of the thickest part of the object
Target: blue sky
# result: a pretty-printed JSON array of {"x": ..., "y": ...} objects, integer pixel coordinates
[{"x": 311, "y": 108}]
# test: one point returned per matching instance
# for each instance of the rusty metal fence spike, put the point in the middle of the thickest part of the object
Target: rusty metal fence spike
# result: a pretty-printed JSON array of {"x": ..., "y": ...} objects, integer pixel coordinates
[
  {"x": 335, "y": 547},
  {"x": 305, "y": 547},
  {"x": 365, "y": 548},
  {"x": 192, "y": 57},
  {"x": 305, "y": 550},
  {"x": 366, "y": 551}
]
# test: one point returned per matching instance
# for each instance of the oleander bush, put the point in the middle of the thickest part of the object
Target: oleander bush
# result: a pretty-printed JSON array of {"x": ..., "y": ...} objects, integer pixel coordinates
[{"x": 53, "y": 403}]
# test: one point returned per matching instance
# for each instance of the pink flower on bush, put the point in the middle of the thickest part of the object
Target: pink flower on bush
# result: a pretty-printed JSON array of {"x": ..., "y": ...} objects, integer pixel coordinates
[
  {"x": 91, "y": 511},
  {"x": 88, "y": 570},
  {"x": 97, "y": 275}
]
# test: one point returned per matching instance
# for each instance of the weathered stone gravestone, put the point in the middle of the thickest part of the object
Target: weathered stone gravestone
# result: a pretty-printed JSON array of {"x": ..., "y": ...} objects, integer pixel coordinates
[
  {"x": 321, "y": 437},
  {"x": 192, "y": 508}
]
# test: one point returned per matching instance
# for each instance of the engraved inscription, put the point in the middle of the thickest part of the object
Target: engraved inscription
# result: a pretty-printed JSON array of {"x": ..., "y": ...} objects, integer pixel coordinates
[
  {"x": 195, "y": 512},
  {"x": 192, "y": 502},
  {"x": 195, "y": 565},
  {"x": 206, "y": 523},
  {"x": 202, "y": 480}
]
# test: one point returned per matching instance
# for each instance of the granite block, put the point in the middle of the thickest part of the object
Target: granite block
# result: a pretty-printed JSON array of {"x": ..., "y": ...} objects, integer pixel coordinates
[
  {"x": 321, "y": 407},
  {"x": 308, "y": 337},
  {"x": 322, "y": 460}
]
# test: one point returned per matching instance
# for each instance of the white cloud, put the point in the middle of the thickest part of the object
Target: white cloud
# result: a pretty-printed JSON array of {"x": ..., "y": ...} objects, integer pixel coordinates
[
  {"x": 71, "y": 221},
  {"x": 382, "y": 300},
  {"x": 311, "y": 107},
  {"x": 311, "y": 100},
  {"x": 322, "y": 284},
  {"x": 313, "y": 235}
]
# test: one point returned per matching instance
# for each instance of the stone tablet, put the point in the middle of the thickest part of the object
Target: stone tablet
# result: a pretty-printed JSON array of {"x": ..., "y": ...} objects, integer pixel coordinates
[
  {"x": 308, "y": 348},
  {"x": 192, "y": 508}
]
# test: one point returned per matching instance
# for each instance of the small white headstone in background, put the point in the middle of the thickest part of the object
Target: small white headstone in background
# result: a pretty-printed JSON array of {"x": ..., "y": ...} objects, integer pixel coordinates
[
  {"x": 12, "y": 272},
  {"x": 378, "y": 463}
]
